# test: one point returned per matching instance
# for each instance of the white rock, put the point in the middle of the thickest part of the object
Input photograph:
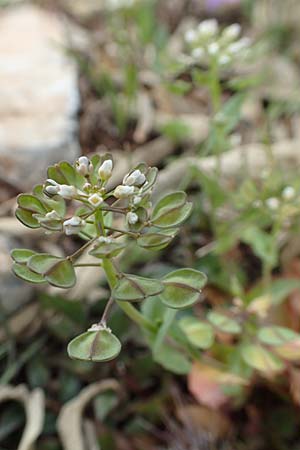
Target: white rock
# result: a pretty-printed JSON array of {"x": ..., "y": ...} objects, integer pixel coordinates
[{"x": 39, "y": 95}]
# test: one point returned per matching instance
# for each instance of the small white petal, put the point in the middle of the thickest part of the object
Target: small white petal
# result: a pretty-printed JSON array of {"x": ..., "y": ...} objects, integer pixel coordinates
[
  {"x": 272, "y": 203},
  {"x": 132, "y": 218},
  {"x": 95, "y": 200},
  {"x": 288, "y": 193},
  {"x": 123, "y": 191}
]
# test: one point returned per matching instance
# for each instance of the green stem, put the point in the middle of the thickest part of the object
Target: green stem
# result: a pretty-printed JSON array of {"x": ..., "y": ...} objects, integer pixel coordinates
[{"x": 112, "y": 278}]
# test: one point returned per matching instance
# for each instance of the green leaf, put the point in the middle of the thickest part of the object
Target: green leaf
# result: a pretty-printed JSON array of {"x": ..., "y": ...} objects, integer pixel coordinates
[
  {"x": 173, "y": 360},
  {"x": 42, "y": 262},
  {"x": 168, "y": 319},
  {"x": 157, "y": 241},
  {"x": 108, "y": 250},
  {"x": 199, "y": 333},
  {"x": 62, "y": 274},
  {"x": 26, "y": 218},
  {"x": 262, "y": 244},
  {"x": 170, "y": 201},
  {"x": 23, "y": 272},
  {"x": 224, "y": 323},
  {"x": 21, "y": 255},
  {"x": 97, "y": 346},
  {"x": 31, "y": 203},
  {"x": 173, "y": 217},
  {"x": 56, "y": 203},
  {"x": 133, "y": 288},
  {"x": 263, "y": 360},
  {"x": 275, "y": 335},
  {"x": 182, "y": 288}
]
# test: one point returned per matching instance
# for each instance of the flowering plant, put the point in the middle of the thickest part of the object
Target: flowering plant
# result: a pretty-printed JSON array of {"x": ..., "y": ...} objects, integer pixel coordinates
[{"x": 78, "y": 200}]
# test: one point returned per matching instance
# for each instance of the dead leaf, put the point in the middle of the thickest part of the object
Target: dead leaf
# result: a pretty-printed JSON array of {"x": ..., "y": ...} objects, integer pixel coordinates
[
  {"x": 206, "y": 384},
  {"x": 70, "y": 418},
  {"x": 34, "y": 405}
]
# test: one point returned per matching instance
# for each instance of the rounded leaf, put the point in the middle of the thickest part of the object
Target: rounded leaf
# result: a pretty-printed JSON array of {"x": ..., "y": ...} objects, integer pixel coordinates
[
  {"x": 199, "y": 333},
  {"x": 62, "y": 274},
  {"x": 108, "y": 250},
  {"x": 289, "y": 350},
  {"x": 171, "y": 210},
  {"x": 182, "y": 288},
  {"x": 21, "y": 255},
  {"x": 23, "y": 272},
  {"x": 97, "y": 346},
  {"x": 31, "y": 203},
  {"x": 224, "y": 323},
  {"x": 261, "y": 359},
  {"x": 26, "y": 218},
  {"x": 156, "y": 241},
  {"x": 42, "y": 262},
  {"x": 170, "y": 201},
  {"x": 275, "y": 335},
  {"x": 132, "y": 288}
]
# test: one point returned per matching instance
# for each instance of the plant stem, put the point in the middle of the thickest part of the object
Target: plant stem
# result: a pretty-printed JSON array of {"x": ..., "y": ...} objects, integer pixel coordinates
[{"x": 112, "y": 278}]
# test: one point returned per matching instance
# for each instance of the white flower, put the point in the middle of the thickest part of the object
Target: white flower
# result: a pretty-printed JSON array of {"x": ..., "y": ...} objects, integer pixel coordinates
[
  {"x": 123, "y": 191},
  {"x": 105, "y": 170},
  {"x": 198, "y": 53},
  {"x": 232, "y": 32},
  {"x": 137, "y": 199},
  {"x": 272, "y": 203},
  {"x": 190, "y": 36},
  {"x": 52, "y": 190},
  {"x": 135, "y": 178},
  {"x": 67, "y": 192},
  {"x": 208, "y": 27},
  {"x": 95, "y": 200},
  {"x": 288, "y": 193},
  {"x": 213, "y": 48},
  {"x": 238, "y": 46},
  {"x": 224, "y": 59},
  {"x": 52, "y": 215},
  {"x": 105, "y": 240},
  {"x": 132, "y": 218},
  {"x": 73, "y": 225},
  {"x": 84, "y": 166}
]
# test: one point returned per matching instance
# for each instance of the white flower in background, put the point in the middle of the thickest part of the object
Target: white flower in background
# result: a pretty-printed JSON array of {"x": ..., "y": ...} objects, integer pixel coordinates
[
  {"x": 73, "y": 225},
  {"x": 288, "y": 193},
  {"x": 208, "y": 43},
  {"x": 132, "y": 218},
  {"x": 105, "y": 170},
  {"x": 123, "y": 191},
  {"x": 213, "y": 48},
  {"x": 84, "y": 166},
  {"x": 208, "y": 28},
  {"x": 95, "y": 200},
  {"x": 191, "y": 36},
  {"x": 135, "y": 178},
  {"x": 272, "y": 203},
  {"x": 232, "y": 32}
]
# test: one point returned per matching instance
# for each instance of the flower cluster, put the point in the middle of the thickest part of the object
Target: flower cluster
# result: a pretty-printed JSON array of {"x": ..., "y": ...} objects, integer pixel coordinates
[{"x": 209, "y": 44}]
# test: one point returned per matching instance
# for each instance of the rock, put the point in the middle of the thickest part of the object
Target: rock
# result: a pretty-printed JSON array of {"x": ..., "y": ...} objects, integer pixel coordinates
[
  {"x": 14, "y": 292},
  {"x": 39, "y": 95}
]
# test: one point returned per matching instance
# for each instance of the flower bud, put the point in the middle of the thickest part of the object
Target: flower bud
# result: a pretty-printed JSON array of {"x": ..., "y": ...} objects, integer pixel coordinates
[
  {"x": 104, "y": 240},
  {"x": 73, "y": 225},
  {"x": 105, "y": 170},
  {"x": 135, "y": 178},
  {"x": 198, "y": 53},
  {"x": 137, "y": 199},
  {"x": 52, "y": 215},
  {"x": 67, "y": 192},
  {"x": 132, "y": 218},
  {"x": 123, "y": 191},
  {"x": 52, "y": 190},
  {"x": 84, "y": 166},
  {"x": 95, "y": 200},
  {"x": 213, "y": 48}
]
